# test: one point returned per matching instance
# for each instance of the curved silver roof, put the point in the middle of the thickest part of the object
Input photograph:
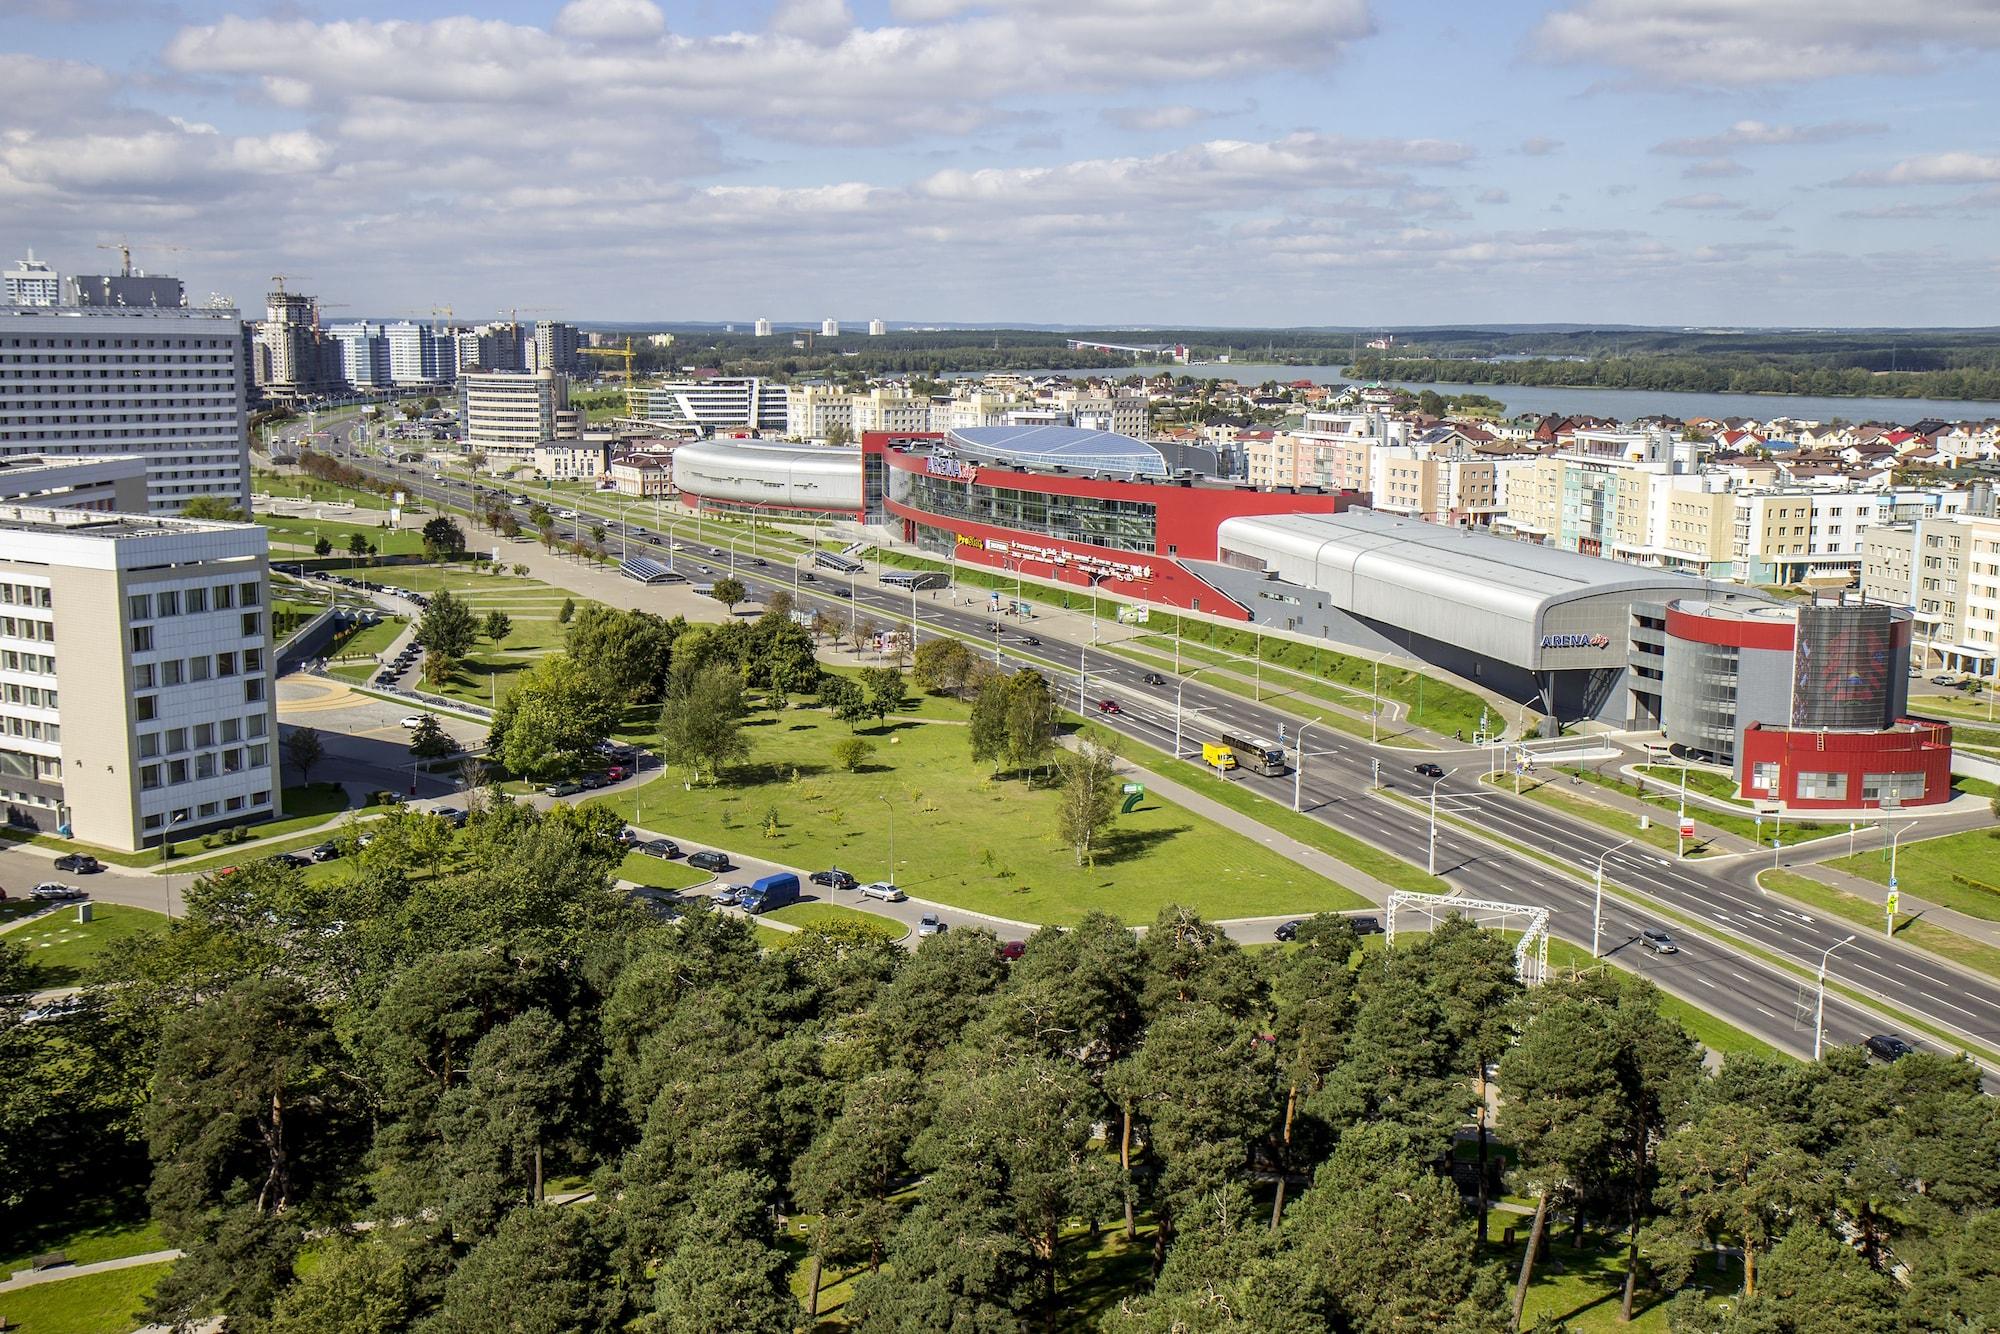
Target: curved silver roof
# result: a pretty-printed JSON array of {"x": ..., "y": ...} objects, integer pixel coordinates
[
  {"x": 1059, "y": 447},
  {"x": 769, "y": 472}
]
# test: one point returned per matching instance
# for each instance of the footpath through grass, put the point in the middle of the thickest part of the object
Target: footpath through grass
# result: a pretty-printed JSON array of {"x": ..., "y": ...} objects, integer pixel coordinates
[
  {"x": 1958, "y": 871},
  {"x": 963, "y": 837},
  {"x": 107, "y": 1303},
  {"x": 62, "y": 951},
  {"x": 1867, "y": 913}
]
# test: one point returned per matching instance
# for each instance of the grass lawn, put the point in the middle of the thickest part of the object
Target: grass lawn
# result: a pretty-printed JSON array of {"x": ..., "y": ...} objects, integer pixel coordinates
[
  {"x": 62, "y": 950},
  {"x": 1868, "y": 913},
  {"x": 1582, "y": 1288},
  {"x": 1938, "y": 869},
  {"x": 832, "y": 914},
  {"x": 659, "y": 873},
  {"x": 265, "y": 483},
  {"x": 964, "y": 838},
  {"x": 303, "y": 532},
  {"x": 366, "y": 641},
  {"x": 102, "y": 1230},
  {"x": 94, "y": 1304},
  {"x": 770, "y": 938},
  {"x": 304, "y": 807}
]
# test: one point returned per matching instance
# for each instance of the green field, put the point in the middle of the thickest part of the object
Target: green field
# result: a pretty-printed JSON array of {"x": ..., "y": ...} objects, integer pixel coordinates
[
  {"x": 300, "y": 487},
  {"x": 297, "y": 536},
  {"x": 659, "y": 873},
  {"x": 63, "y": 950},
  {"x": 964, "y": 838},
  {"x": 105, "y": 1230},
  {"x": 107, "y": 1303},
  {"x": 832, "y": 914},
  {"x": 1939, "y": 869},
  {"x": 1868, "y": 913}
]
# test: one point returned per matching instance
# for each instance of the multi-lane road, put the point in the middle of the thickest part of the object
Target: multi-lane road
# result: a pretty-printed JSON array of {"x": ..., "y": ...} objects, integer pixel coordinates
[{"x": 1713, "y": 969}]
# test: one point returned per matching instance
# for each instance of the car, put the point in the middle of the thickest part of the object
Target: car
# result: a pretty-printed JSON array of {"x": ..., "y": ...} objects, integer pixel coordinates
[
  {"x": 663, "y": 848},
  {"x": 883, "y": 890},
  {"x": 729, "y": 895},
  {"x": 835, "y": 590},
  {"x": 79, "y": 863},
  {"x": 708, "y": 860},
  {"x": 1658, "y": 941},
  {"x": 809, "y": 577},
  {"x": 615, "y": 774},
  {"x": 760, "y": 562},
  {"x": 1286, "y": 931},
  {"x": 930, "y": 924},
  {"x": 1429, "y": 770},
  {"x": 324, "y": 852},
  {"x": 1108, "y": 706},
  {"x": 61, "y": 1008},
  {"x": 413, "y": 720},
  {"x": 1013, "y": 950},
  {"x": 1887, "y": 1047},
  {"x": 562, "y": 789},
  {"x": 51, "y": 891},
  {"x": 1031, "y": 641},
  {"x": 293, "y": 859},
  {"x": 1155, "y": 679},
  {"x": 1366, "y": 926},
  {"x": 1944, "y": 679},
  {"x": 590, "y": 782},
  {"x": 833, "y": 878},
  {"x": 453, "y": 814}
]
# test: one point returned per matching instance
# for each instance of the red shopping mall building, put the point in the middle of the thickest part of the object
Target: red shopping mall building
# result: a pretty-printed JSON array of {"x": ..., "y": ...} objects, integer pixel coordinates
[{"x": 1072, "y": 505}]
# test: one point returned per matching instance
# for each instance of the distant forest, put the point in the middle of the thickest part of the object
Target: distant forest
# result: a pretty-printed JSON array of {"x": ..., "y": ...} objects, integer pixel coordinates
[{"x": 1903, "y": 363}]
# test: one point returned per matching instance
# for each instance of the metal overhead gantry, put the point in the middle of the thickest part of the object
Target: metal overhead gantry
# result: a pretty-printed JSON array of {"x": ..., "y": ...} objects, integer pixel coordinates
[{"x": 1531, "y": 953}]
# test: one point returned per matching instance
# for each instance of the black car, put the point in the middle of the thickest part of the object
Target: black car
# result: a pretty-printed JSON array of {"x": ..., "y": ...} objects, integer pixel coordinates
[
  {"x": 324, "y": 852},
  {"x": 835, "y": 878},
  {"x": 1155, "y": 679},
  {"x": 1365, "y": 926},
  {"x": 1287, "y": 931},
  {"x": 835, "y": 590},
  {"x": 291, "y": 859},
  {"x": 1888, "y": 1047},
  {"x": 79, "y": 863},
  {"x": 710, "y": 861},
  {"x": 453, "y": 814},
  {"x": 1429, "y": 770},
  {"x": 663, "y": 848}
]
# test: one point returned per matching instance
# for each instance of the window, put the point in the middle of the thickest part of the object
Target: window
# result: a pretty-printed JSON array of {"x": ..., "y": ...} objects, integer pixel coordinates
[
  {"x": 142, "y": 676},
  {"x": 253, "y": 624},
  {"x": 253, "y": 690},
  {"x": 172, "y": 672},
  {"x": 233, "y": 804},
  {"x": 1903, "y": 787},
  {"x": 260, "y": 799},
  {"x": 149, "y": 745},
  {"x": 253, "y": 660},
  {"x": 1825, "y": 787},
  {"x": 139, "y": 607},
  {"x": 176, "y": 739},
  {"x": 145, "y": 708},
  {"x": 198, "y": 668},
  {"x": 225, "y": 664},
  {"x": 204, "y": 765},
  {"x": 142, "y": 639},
  {"x": 248, "y": 595},
  {"x": 149, "y": 778},
  {"x": 225, "y": 597},
  {"x": 232, "y": 761},
  {"x": 204, "y": 735},
  {"x": 197, "y": 600},
  {"x": 232, "y": 730},
  {"x": 177, "y": 771},
  {"x": 255, "y": 724},
  {"x": 169, "y": 602},
  {"x": 209, "y": 810},
  {"x": 259, "y": 755}
]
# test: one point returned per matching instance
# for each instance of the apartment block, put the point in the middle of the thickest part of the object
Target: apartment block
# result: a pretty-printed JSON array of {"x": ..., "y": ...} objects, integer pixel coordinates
[
  {"x": 114, "y": 483},
  {"x": 31, "y": 283},
  {"x": 556, "y": 348},
  {"x": 167, "y": 384},
  {"x": 135, "y": 690},
  {"x": 813, "y": 410},
  {"x": 724, "y": 403},
  {"x": 1945, "y": 569},
  {"x": 505, "y": 415}
]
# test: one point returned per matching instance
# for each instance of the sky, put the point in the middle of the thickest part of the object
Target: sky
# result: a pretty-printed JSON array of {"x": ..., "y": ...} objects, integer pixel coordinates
[{"x": 1109, "y": 162}]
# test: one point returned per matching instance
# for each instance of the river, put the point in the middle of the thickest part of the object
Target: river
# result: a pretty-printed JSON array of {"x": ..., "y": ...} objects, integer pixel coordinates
[{"x": 1617, "y": 404}]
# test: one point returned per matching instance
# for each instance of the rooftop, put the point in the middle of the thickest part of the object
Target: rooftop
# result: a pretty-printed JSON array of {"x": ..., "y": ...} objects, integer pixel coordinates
[
  {"x": 1060, "y": 446},
  {"x": 108, "y": 527}
]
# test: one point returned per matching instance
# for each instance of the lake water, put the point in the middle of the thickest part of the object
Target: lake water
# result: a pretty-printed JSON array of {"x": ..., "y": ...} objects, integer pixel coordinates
[{"x": 1622, "y": 404}]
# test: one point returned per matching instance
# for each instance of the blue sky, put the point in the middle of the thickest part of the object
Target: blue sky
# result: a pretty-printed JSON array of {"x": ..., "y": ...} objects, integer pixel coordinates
[{"x": 1242, "y": 162}]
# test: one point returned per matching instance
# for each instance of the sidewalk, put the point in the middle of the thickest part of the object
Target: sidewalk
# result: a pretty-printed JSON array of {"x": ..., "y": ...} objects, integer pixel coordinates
[{"x": 28, "y": 1278}]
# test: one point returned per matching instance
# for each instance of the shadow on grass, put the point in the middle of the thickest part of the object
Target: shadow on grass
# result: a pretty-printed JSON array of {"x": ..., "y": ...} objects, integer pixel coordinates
[{"x": 1126, "y": 844}]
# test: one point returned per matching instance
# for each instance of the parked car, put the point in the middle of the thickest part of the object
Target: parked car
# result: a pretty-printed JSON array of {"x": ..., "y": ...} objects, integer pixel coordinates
[
  {"x": 324, "y": 852},
  {"x": 930, "y": 924},
  {"x": 1365, "y": 926},
  {"x": 1944, "y": 679},
  {"x": 729, "y": 895},
  {"x": 562, "y": 789},
  {"x": 883, "y": 890},
  {"x": 1429, "y": 770},
  {"x": 51, "y": 891},
  {"x": 453, "y": 814},
  {"x": 1287, "y": 931},
  {"x": 1013, "y": 950},
  {"x": 663, "y": 848},
  {"x": 1658, "y": 941},
  {"x": 1887, "y": 1047},
  {"x": 413, "y": 720},
  {"x": 293, "y": 859},
  {"x": 711, "y": 861},
  {"x": 833, "y": 878},
  {"x": 79, "y": 863},
  {"x": 1108, "y": 706},
  {"x": 590, "y": 782},
  {"x": 771, "y": 891}
]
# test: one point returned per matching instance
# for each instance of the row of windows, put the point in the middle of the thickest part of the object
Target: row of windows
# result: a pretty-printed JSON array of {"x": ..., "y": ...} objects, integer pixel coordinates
[
  {"x": 209, "y": 764},
  {"x": 39, "y": 437},
  {"x": 26, "y": 595},
  {"x": 117, "y": 342},
  {"x": 32, "y": 729},
  {"x": 1128, "y": 525},
  {"x": 146, "y": 708},
  {"x": 24, "y": 627},
  {"x": 227, "y": 732},
  {"x": 20, "y": 764},
  {"x": 41, "y": 664},
  {"x": 173, "y": 672},
  {"x": 193, "y": 601},
  {"x": 208, "y": 810},
  {"x": 33, "y": 697}
]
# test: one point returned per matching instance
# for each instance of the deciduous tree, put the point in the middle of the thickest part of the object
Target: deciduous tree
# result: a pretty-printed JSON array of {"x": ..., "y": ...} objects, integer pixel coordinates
[
  {"x": 701, "y": 725},
  {"x": 305, "y": 750},
  {"x": 447, "y": 625}
]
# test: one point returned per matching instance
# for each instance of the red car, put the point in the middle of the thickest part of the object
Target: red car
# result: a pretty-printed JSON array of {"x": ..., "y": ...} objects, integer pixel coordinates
[
  {"x": 1013, "y": 950},
  {"x": 1108, "y": 706}
]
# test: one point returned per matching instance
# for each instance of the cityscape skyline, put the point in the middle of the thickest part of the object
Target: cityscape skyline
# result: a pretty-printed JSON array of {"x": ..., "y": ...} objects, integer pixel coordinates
[{"x": 1325, "y": 163}]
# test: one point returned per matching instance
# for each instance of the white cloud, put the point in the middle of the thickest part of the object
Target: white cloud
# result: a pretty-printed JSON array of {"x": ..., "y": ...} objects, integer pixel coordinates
[
  {"x": 1714, "y": 168},
  {"x": 610, "y": 20},
  {"x": 1540, "y": 146},
  {"x": 824, "y": 22},
  {"x": 1155, "y": 118},
  {"x": 1749, "y": 42},
  {"x": 1758, "y": 134},
  {"x": 1933, "y": 169},
  {"x": 1700, "y": 203}
]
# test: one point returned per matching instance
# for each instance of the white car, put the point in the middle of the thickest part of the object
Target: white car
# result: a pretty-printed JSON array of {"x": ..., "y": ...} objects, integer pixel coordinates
[
  {"x": 883, "y": 890},
  {"x": 413, "y": 720}
]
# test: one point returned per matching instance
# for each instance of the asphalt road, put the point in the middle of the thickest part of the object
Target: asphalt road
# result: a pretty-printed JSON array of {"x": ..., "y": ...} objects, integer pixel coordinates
[{"x": 1710, "y": 969}]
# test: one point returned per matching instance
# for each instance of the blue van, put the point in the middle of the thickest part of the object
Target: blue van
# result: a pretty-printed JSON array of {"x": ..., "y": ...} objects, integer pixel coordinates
[{"x": 771, "y": 891}]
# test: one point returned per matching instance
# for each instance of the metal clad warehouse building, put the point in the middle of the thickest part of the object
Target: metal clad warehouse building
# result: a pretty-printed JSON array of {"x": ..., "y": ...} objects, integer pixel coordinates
[{"x": 1543, "y": 626}]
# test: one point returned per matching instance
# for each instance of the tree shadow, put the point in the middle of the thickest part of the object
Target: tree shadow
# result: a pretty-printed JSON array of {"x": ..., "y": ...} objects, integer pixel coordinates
[
  {"x": 762, "y": 772},
  {"x": 1125, "y": 844}
]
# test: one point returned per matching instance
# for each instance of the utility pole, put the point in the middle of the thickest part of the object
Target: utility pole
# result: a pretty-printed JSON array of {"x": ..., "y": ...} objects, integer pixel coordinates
[
  {"x": 1597, "y": 909},
  {"x": 1819, "y": 1006}
]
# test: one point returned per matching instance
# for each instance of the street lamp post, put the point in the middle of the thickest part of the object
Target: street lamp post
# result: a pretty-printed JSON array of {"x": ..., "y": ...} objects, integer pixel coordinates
[
  {"x": 1177, "y": 703},
  {"x": 1889, "y": 898},
  {"x": 1432, "y": 864},
  {"x": 1819, "y": 1005},
  {"x": 892, "y": 837},
  {"x": 1597, "y": 908},
  {"x": 1299, "y": 765}
]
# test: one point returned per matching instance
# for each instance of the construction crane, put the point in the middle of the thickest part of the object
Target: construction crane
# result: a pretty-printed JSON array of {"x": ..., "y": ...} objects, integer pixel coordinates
[
  {"x": 627, "y": 354},
  {"x": 124, "y": 249},
  {"x": 278, "y": 281}
]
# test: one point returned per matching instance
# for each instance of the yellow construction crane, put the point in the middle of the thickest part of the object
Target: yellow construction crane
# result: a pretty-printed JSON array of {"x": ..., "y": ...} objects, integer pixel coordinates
[{"x": 625, "y": 352}]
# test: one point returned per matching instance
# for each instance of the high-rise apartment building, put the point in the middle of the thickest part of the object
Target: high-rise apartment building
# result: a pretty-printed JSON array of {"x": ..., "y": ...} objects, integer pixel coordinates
[
  {"x": 829, "y": 328},
  {"x": 876, "y": 328},
  {"x": 421, "y": 355},
  {"x": 763, "y": 328},
  {"x": 724, "y": 403},
  {"x": 295, "y": 358},
  {"x": 164, "y": 383},
  {"x": 1946, "y": 569},
  {"x": 502, "y": 346},
  {"x": 506, "y": 414},
  {"x": 32, "y": 283},
  {"x": 364, "y": 355},
  {"x": 135, "y": 675},
  {"x": 556, "y": 346}
]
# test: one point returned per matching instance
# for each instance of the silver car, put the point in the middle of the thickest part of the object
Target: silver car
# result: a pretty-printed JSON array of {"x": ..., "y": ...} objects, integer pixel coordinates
[
  {"x": 883, "y": 890},
  {"x": 930, "y": 924}
]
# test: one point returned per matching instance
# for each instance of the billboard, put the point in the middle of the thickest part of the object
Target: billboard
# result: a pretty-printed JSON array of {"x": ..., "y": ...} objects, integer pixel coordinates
[{"x": 1844, "y": 667}]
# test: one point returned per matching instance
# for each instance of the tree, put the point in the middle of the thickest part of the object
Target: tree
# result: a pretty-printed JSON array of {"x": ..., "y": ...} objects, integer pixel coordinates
[
  {"x": 212, "y": 508},
  {"x": 305, "y": 750},
  {"x": 357, "y": 545},
  {"x": 729, "y": 591},
  {"x": 1031, "y": 719},
  {"x": 443, "y": 538},
  {"x": 429, "y": 740},
  {"x": 724, "y": 1276},
  {"x": 942, "y": 664},
  {"x": 550, "y": 723},
  {"x": 357, "y": 1286},
  {"x": 447, "y": 625},
  {"x": 850, "y": 753},
  {"x": 986, "y": 730},
  {"x": 701, "y": 722},
  {"x": 497, "y": 627},
  {"x": 1814, "y": 1283},
  {"x": 842, "y": 697},
  {"x": 838, "y": 434},
  {"x": 438, "y": 669},
  {"x": 887, "y": 691},
  {"x": 1470, "y": 974},
  {"x": 1312, "y": 993},
  {"x": 521, "y": 1083},
  {"x": 567, "y": 611},
  {"x": 322, "y": 547},
  {"x": 956, "y": 1262},
  {"x": 597, "y": 534},
  {"x": 853, "y": 1168},
  {"x": 548, "y": 1270},
  {"x": 631, "y": 651},
  {"x": 1089, "y": 797}
]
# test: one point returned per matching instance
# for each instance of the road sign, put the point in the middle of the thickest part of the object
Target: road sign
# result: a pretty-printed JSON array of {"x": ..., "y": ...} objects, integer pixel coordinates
[
  {"x": 1894, "y": 899},
  {"x": 1134, "y": 794}
]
